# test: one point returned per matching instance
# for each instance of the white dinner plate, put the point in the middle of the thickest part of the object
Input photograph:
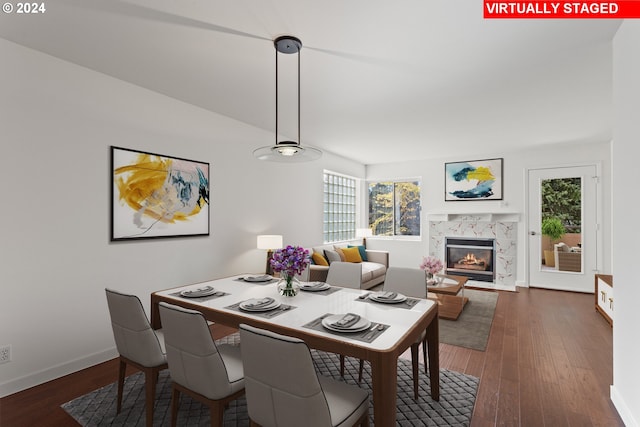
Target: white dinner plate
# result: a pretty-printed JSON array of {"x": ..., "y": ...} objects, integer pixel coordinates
[
  {"x": 315, "y": 286},
  {"x": 260, "y": 278},
  {"x": 360, "y": 325},
  {"x": 378, "y": 297},
  {"x": 248, "y": 305},
  {"x": 197, "y": 293}
]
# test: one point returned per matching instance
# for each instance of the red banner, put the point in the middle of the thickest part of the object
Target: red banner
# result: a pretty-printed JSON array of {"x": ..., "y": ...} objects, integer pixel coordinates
[{"x": 561, "y": 9}]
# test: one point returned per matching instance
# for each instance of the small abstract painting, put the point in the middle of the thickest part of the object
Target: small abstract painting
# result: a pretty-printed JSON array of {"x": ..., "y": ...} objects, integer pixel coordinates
[
  {"x": 473, "y": 180},
  {"x": 157, "y": 196}
]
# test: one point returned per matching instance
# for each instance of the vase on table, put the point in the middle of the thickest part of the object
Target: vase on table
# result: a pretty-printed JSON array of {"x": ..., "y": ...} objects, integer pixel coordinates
[
  {"x": 431, "y": 280},
  {"x": 288, "y": 286}
]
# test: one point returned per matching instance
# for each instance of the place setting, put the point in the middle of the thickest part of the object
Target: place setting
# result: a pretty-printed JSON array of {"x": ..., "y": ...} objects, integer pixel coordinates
[
  {"x": 259, "y": 279},
  {"x": 351, "y": 324},
  {"x": 265, "y": 307},
  {"x": 321, "y": 288},
  {"x": 202, "y": 293},
  {"x": 389, "y": 297}
]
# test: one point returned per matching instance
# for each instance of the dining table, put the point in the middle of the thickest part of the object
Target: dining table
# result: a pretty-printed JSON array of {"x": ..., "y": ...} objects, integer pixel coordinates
[{"x": 391, "y": 326}]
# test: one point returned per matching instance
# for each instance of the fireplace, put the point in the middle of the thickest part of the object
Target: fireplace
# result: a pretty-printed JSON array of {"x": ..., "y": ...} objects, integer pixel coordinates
[{"x": 471, "y": 257}]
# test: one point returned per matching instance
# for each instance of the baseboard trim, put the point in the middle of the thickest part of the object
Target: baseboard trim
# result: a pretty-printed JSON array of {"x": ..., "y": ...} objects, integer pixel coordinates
[
  {"x": 622, "y": 408},
  {"x": 45, "y": 375},
  {"x": 490, "y": 285}
]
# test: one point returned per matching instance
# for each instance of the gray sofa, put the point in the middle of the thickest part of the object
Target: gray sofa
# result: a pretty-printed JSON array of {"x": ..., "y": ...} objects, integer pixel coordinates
[{"x": 374, "y": 269}]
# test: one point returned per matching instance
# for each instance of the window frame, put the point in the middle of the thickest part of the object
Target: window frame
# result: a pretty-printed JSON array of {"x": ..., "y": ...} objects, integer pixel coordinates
[{"x": 394, "y": 181}]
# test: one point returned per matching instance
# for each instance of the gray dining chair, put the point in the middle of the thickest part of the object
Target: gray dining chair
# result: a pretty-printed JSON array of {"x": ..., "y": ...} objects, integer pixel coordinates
[
  {"x": 209, "y": 373},
  {"x": 412, "y": 283},
  {"x": 138, "y": 345},
  {"x": 345, "y": 275},
  {"x": 284, "y": 390}
]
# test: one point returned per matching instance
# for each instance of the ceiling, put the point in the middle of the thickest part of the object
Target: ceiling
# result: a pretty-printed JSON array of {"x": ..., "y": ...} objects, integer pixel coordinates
[{"x": 381, "y": 81}]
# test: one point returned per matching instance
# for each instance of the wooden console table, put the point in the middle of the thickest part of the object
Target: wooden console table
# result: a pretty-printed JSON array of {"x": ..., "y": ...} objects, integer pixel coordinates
[
  {"x": 604, "y": 296},
  {"x": 450, "y": 303}
]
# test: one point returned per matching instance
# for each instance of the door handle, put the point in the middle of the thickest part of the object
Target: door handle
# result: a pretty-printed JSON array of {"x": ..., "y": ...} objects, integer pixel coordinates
[{"x": 533, "y": 233}]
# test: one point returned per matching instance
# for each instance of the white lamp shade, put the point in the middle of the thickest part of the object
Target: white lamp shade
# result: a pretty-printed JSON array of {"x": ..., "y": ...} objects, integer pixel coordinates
[
  {"x": 269, "y": 241},
  {"x": 364, "y": 232}
]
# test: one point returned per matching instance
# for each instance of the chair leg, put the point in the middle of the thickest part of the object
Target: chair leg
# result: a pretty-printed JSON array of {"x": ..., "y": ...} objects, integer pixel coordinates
[
  {"x": 151, "y": 379},
  {"x": 414, "y": 365},
  {"x": 175, "y": 403},
  {"x": 364, "y": 421},
  {"x": 424, "y": 356},
  {"x": 216, "y": 414},
  {"x": 121, "y": 373},
  {"x": 360, "y": 370}
]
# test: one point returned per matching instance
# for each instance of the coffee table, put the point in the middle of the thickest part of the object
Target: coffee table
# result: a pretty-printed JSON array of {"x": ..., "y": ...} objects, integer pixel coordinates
[{"x": 450, "y": 296}]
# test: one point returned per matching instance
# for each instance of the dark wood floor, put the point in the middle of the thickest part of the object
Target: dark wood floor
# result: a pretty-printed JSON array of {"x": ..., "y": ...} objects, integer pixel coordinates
[{"x": 548, "y": 363}]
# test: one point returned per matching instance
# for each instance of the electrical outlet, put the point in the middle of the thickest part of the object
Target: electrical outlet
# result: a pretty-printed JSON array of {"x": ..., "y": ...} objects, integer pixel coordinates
[{"x": 5, "y": 354}]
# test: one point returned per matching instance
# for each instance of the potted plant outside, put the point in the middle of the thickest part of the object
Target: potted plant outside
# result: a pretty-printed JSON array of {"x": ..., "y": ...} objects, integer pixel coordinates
[{"x": 554, "y": 229}]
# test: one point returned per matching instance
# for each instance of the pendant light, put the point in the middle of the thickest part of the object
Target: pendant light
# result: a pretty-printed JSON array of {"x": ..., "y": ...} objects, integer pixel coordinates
[{"x": 287, "y": 151}]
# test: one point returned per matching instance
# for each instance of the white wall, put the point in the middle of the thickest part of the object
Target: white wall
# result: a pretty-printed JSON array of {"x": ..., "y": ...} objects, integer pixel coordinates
[
  {"x": 57, "y": 123},
  {"x": 625, "y": 392},
  {"x": 408, "y": 253}
]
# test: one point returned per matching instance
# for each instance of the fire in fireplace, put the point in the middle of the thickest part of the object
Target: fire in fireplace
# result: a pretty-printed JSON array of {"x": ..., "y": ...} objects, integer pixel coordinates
[{"x": 471, "y": 257}]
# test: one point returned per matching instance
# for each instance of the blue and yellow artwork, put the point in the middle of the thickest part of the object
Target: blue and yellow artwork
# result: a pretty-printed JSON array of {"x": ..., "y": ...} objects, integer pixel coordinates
[
  {"x": 473, "y": 180},
  {"x": 158, "y": 196}
]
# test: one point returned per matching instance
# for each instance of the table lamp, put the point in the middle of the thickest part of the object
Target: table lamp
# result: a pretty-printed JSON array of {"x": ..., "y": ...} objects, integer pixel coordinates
[
  {"x": 269, "y": 242},
  {"x": 364, "y": 233}
]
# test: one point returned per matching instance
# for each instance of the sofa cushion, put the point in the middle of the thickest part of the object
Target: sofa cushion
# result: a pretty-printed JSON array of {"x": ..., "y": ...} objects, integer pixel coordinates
[
  {"x": 372, "y": 270},
  {"x": 362, "y": 250},
  {"x": 319, "y": 259},
  {"x": 332, "y": 256},
  {"x": 351, "y": 255}
]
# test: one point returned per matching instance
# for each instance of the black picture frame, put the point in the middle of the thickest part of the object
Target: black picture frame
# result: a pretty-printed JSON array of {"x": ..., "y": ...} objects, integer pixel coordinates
[
  {"x": 473, "y": 180},
  {"x": 158, "y": 196}
]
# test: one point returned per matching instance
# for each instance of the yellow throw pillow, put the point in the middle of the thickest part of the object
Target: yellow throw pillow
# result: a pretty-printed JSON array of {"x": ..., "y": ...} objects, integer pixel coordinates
[
  {"x": 352, "y": 254},
  {"x": 319, "y": 259}
]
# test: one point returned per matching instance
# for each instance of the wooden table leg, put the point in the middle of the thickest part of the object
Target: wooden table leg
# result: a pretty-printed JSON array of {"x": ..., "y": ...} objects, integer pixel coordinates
[
  {"x": 433, "y": 344},
  {"x": 384, "y": 378}
]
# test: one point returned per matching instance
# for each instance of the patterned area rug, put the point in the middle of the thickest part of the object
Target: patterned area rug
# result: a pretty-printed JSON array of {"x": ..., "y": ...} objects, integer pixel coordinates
[{"x": 457, "y": 397}]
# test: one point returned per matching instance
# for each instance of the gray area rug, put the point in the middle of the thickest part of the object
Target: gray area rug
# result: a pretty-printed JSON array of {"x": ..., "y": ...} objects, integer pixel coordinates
[
  {"x": 472, "y": 328},
  {"x": 457, "y": 397}
]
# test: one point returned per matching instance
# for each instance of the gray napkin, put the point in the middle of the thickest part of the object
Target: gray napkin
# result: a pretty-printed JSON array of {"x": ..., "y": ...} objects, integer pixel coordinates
[
  {"x": 260, "y": 303},
  {"x": 200, "y": 292},
  {"x": 347, "y": 321},
  {"x": 313, "y": 285},
  {"x": 387, "y": 295}
]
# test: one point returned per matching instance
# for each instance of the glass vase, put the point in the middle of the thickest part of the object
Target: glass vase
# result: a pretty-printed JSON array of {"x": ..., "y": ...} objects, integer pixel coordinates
[
  {"x": 288, "y": 286},
  {"x": 430, "y": 279}
]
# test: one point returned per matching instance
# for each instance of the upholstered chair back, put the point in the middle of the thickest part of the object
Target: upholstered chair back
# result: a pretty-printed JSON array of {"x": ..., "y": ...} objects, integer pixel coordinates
[
  {"x": 281, "y": 383},
  {"x": 407, "y": 281},
  {"x": 192, "y": 354},
  {"x": 135, "y": 338},
  {"x": 345, "y": 274}
]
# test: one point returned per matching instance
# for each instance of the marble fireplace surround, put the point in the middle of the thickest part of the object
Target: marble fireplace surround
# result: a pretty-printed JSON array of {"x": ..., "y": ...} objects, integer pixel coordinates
[{"x": 501, "y": 226}]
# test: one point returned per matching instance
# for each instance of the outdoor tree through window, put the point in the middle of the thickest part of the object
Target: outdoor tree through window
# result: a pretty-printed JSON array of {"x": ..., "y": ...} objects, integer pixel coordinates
[{"x": 394, "y": 208}]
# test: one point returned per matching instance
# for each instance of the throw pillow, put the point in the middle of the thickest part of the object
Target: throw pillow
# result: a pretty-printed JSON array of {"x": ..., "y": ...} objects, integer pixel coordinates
[
  {"x": 318, "y": 259},
  {"x": 332, "y": 256},
  {"x": 342, "y": 257},
  {"x": 362, "y": 250},
  {"x": 352, "y": 255}
]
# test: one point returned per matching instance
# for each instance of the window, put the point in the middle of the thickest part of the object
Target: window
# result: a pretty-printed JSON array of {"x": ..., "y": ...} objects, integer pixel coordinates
[
  {"x": 394, "y": 208},
  {"x": 339, "y": 207}
]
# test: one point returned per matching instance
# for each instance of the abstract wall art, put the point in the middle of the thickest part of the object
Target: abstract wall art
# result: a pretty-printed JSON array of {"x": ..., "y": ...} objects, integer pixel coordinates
[
  {"x": 473, "y": 180},
  {"x": 157, "y": 196}
]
